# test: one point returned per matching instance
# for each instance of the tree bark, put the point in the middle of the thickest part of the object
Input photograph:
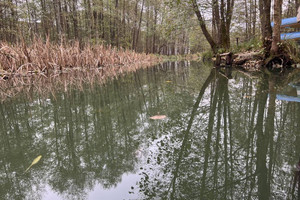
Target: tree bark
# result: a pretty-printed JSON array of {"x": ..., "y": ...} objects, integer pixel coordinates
[
  {"x": 154, "y": 29},
  {"x": 57, "y": 11},
  {"x": 222, "y": 15},
  {"x": 229, "y": 12},
  {"x": 216, "y": 22},
  {"x": 265, "y": 19},
  {"x": 202, "y": 24},
  {"x": 276, "y": 28},
  {"x": 296, "y": 6},
  {"x": 247, "y": 19},
  {"x": 135, "y": 25},
  {"x": 139, "y": 27},
  {"x": 74, "y": 18},
  {"x": 254, "y": 18}
]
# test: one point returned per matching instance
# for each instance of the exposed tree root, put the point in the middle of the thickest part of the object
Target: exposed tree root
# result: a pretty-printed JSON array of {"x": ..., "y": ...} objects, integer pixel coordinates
[
  {"x": 253, "y": 61},
  {"x": 278, "y": 62}
]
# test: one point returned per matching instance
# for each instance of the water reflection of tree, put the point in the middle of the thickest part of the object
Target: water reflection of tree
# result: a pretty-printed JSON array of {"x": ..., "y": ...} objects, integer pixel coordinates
[
  {"x": 237, "y": 146},
  {"x": 231, "y": 139},
  {"x": 85, "y": 137}
]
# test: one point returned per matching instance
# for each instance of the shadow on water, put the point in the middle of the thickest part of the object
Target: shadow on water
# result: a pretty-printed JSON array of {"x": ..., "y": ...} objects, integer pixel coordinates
[{"x": 226, "y": 136}]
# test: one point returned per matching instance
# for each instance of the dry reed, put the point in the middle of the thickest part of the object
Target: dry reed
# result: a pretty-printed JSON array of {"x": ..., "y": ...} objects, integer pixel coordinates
[{"x": 42, "y": 66}]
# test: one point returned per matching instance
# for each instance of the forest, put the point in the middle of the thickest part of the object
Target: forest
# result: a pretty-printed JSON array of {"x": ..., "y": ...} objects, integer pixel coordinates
[
  {"x": 124, "y": 99},
  {"x": 159, "y": 27}
]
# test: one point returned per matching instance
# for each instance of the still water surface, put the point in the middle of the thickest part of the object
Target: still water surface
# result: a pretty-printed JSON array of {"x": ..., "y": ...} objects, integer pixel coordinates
[{"x": 226, "y": 136}]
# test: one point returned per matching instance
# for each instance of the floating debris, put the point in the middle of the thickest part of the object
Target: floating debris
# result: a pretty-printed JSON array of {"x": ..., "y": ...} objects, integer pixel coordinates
[
  {"x": 35, "y": 161},
  {"x": 158, "y": 117}
]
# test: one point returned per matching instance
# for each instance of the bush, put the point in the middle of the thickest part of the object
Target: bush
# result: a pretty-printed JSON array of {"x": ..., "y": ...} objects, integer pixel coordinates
[
  {"x": 207, "y": 55},
  {"x": 291, "y": 48},
  {"x": 250, "y": 45}
]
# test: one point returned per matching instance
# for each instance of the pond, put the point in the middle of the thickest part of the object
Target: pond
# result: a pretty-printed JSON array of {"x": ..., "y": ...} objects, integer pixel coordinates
[{"x": 226, "y": 135}]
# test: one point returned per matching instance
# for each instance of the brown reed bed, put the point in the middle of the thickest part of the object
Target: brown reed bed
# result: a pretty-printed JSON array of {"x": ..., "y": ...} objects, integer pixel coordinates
[{"x": 43, "y": 66}]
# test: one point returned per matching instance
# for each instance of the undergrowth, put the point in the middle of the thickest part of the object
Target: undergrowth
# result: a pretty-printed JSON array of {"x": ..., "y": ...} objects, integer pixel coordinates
[
  {"x": 42, "y": 65},
  {"x": 291, "y": 48},
  {"x": 253, "y": 44},
  {"x": 48, "y": 58}
]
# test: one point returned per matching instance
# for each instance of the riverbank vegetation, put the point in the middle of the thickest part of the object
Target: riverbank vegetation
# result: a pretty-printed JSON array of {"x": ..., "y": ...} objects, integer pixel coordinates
[
  {"x": 159, "y": 27},
  {"x": 50, "y": 59},
  {"x": 44, "y": 66},
  {"x": 50, "y": 36}
]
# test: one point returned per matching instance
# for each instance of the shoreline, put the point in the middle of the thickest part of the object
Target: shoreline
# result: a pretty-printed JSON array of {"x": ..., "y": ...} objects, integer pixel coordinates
[
  {"x": 254, "y": 61},
  {"x": 43, "y": 65},
  {"x": 47, "y": 59}
]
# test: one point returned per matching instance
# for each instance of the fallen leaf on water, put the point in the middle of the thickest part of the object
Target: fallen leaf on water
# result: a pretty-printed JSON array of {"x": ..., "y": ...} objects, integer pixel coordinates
[
  {"x": 36, "y": 160},
  {"x": 158, "y": 117}
]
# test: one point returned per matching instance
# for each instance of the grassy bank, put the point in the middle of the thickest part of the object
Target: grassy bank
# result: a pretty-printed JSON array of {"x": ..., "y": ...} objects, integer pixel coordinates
[{"x": 43, "y": 66}]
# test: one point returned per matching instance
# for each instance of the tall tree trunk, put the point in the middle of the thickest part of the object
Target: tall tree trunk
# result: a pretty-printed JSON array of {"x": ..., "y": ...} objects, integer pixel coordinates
[
  {"x": 229, "y": 12},
  {"x": 154, "y": 29},
  {"x": 96, "y": 17},
  {"x": 202, "y": 24},
  {"x": 111, "y": 28},
  {"x": 296, "y": 6},
  {"x": 139, "y": 27},
  {"x": 102, "y": 20},
  {"x": 265, "y": 20},
  {"x": 44, "y": 20},
  {"x": 135, "y": 25},
  {"x": 216, "y": 21},
  {"x": 223, "y": 26},
  {"x": 116, "y": 22},
  {"x": 1, "y": 23},
  {"x": 247, "y": 20},
  {"x": 74, "y": 18},
  {"x": 57, "y": 17},
  {"x": 254, "y": 18},
  {"x": 147, "y": 27},
  {"x": 124, "y": 20},
  {"x": 67, "y": 19},
  {"x": 88, "y": 19},
  {"x": 276, "y": 29},
  {"x": 29, "y": 20}
]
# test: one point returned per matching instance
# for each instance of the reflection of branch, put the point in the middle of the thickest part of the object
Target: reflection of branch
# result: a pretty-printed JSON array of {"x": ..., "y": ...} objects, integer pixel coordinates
[
  {"x": 225, "y": 113},
  {"x": 262, "y": 143},
  {"x": 298, "y": 185},
  {"x": 251, "y": 75},
  {"x": 269, "y": 130},
  {"x": 216, "y": 150},
  {"x": 187, "y": 131},
  {"x": 233, "y": 182},
  {"x": 140, "y": 89},
  {"x": 208, "y": 140}
]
